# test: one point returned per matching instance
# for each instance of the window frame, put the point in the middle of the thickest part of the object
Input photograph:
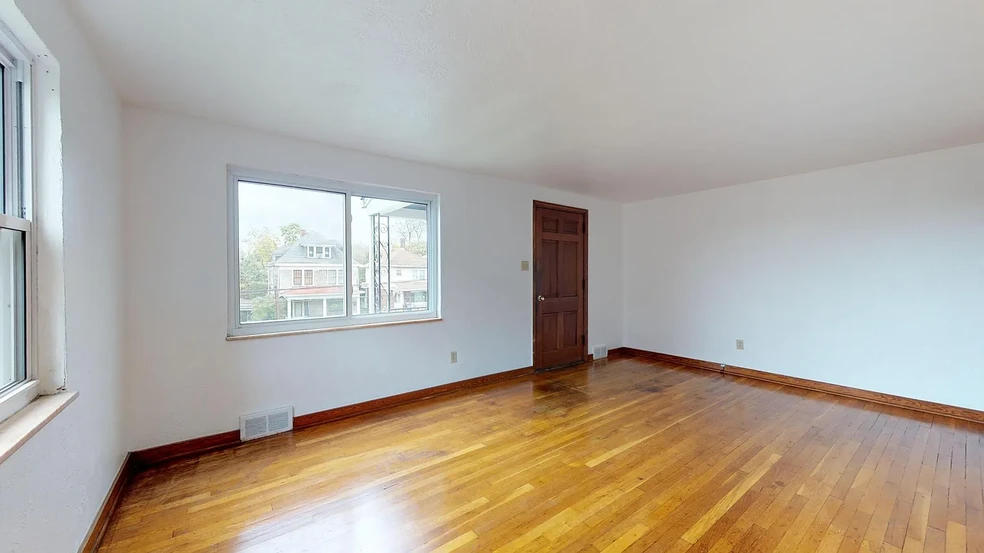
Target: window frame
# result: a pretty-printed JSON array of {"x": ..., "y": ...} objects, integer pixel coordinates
[
  {"x": 19, "y": 190},
  {"x": 236, "y": 328}
]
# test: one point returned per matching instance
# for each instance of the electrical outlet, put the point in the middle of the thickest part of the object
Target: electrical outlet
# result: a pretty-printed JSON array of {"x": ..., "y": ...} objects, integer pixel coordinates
[
  {"x": 454, "y": 357},
  {"x": 739, "y": 344},
  {"x": 524, "y": 265}
]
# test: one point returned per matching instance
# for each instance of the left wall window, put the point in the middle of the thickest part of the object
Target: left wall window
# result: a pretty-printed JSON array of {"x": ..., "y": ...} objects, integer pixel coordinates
[{"x": 16, "y": 230}]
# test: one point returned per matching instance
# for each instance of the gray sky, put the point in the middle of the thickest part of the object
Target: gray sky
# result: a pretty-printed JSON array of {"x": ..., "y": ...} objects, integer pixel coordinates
[{"x": 265, "y": 206}]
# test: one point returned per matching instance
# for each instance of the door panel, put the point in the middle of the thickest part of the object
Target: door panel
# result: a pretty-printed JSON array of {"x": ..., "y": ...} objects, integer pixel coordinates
[
  {"x": 569, "y": 279},
  {"x": 570, "y": 329},
  {"x": 551, "y": 330},
  {"x": 550, "y": 261},
  {"x": 559, "y": 286}
]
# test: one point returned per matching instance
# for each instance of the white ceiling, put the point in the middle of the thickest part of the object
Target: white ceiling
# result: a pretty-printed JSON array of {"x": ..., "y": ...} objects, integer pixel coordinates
[{"x": 623, "y": 99}]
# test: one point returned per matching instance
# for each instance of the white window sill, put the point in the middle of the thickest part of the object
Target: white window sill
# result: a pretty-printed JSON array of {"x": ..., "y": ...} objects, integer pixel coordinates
[
  {"x": 18, "y": 398},
  {"x": 19, "y": 428},
  {"x": 330, "y": 329}
]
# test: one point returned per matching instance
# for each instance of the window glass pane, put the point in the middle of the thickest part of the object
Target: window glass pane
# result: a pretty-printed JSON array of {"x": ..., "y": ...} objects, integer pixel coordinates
[
  {"x": 5, "y": 189},
  {"x": 278, "y": 227},
  {"x": 13, "y": 308},
  {"x": 389, "y": 254}
]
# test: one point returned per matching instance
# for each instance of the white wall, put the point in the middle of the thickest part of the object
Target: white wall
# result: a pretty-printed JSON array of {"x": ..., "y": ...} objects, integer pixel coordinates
[
  {"x": 869, "y": 276},
  {"x": 52, "y": 488},
  {"x": 185, "y": 380}
]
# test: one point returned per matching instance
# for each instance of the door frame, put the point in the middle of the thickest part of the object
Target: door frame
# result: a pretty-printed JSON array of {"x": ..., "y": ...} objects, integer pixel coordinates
[{"x": 584, "y": 246}]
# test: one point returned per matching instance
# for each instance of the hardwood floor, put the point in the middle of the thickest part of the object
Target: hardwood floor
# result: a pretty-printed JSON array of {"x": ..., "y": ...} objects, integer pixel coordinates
[{"x": 632, "y": 455}]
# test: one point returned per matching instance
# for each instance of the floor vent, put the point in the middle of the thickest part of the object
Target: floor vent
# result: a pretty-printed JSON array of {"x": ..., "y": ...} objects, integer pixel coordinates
[
  {"x": 600, "y": 352},
  {"x": 266, "y": 423}
]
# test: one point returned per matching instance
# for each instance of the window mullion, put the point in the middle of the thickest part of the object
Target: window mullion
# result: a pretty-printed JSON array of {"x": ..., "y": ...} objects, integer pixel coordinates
[
  {"x": 17, "y": 199},
  {"x": 30, "y": 291},
  {"x": 433, "y": 283},
  {"x": 8, "y": 143},
  {"x": 347, "y": 265},
  {"x": 25, "y": 140}
]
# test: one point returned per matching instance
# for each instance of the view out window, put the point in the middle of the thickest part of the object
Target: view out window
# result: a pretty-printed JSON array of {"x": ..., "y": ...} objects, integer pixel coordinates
[
  {"x": 16, "y": 228},
  {"x": 315, "y": 254},
  {"x": 398, "y": 237},
  {"x": 13, "y": 308}
]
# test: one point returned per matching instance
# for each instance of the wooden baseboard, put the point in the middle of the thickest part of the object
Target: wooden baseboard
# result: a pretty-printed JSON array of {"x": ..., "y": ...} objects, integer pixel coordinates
[
  {"x": 196, "y": 446},
  {"x": 95, "y": 536},
  {"x": 177, "y": 450},
  {"x": 321, "y": 417},
  {"x": 924, "y": 406},
  {"x": 617, "y": 352}
]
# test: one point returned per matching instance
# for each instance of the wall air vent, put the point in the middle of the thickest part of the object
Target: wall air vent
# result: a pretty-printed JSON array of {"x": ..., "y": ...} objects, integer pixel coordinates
[
  {"x": 600, "y": 352},
  {"x": 258, "y": 425}
]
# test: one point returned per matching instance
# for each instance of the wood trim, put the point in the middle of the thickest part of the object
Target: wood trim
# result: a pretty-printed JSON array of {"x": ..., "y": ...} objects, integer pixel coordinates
[
  {"x": 95, "y": 536},
  {"x": 547, "y": 205},
  {"x": 559, "y": 207},
  {"x": 321, "y": 417},
  {"x": 196, "y": 446},
  {"x": 617, "y": 352},
  {"x": 586, "y": 281},
  {"x": 921, "y": 405}
]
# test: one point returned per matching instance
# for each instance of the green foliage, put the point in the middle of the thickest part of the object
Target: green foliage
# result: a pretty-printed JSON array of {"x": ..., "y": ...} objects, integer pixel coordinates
[
  {"x": 256, "y": 252},
  {"x": 419, "y": 248},
  {"x": 290, "y": 233},
  {"x": 263, "y": 243},
  {"x": 254, "y": 276},
  {"x": 264, "y": 308}
]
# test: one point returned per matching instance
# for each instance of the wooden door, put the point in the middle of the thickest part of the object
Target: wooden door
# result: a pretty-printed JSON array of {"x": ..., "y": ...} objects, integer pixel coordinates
[{"x": 560, "y": 287}]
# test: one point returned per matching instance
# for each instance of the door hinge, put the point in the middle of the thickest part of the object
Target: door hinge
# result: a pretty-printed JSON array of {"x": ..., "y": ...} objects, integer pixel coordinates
[
  {"x": 584, "y": 339},
  {"x": 584, "y": 285}
]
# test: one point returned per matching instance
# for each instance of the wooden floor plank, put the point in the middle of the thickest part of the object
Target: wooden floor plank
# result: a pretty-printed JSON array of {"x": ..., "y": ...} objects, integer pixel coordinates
[{"x": 628, "y": 455}]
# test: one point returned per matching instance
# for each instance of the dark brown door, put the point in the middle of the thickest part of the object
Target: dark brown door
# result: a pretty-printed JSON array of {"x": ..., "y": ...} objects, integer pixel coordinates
[{"x": 559, "y": 285}]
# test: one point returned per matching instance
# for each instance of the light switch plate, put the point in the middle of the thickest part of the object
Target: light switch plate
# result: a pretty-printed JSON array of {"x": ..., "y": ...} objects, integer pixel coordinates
[{"x": 524, "y": 265}]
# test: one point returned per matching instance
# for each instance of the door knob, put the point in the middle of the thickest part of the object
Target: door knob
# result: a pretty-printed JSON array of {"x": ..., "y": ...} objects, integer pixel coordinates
[{"x": 540, "y": 298}]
